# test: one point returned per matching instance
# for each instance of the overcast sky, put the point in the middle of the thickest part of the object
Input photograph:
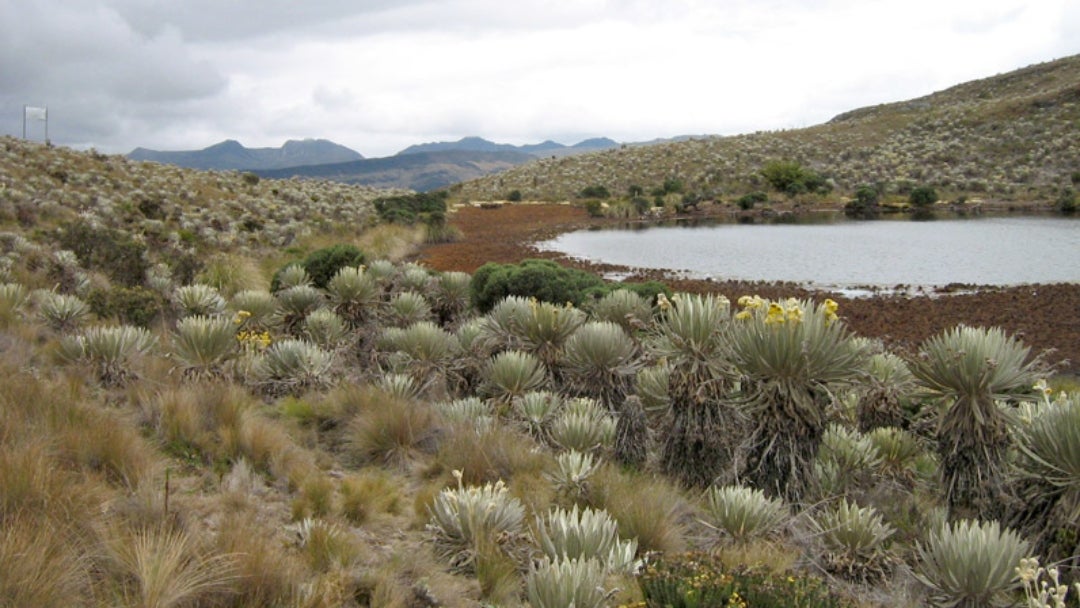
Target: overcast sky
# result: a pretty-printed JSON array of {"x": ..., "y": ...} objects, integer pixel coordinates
[{"x": 379, "y": 75}]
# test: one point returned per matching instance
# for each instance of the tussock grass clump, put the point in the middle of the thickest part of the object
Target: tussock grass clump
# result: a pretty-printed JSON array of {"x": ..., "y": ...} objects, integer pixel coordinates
[
  {"x": 168, "y": 568},
  {"x": 488, "y": 454},
  {"x": 43, "y": 564},
  {"x": 369, "y": 493},
  {"x": 650, "y": 509},
  {"x": 392, "y": 430}
]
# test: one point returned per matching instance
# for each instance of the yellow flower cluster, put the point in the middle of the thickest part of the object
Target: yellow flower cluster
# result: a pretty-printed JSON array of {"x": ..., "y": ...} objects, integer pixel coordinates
[
  {"x": 830, "y": 310},
  {"x": 776, "y": 313},
  {"x": 241, "y": 316},
  {"x": 253, "y": 341}
]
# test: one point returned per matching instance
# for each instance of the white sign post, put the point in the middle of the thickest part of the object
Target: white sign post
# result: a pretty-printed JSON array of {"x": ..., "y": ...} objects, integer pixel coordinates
[{"x": 35, "y": 113}]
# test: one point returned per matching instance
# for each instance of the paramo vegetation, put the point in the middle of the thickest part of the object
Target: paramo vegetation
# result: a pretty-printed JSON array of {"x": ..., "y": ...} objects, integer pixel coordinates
[{"x": 176, "y": 431}]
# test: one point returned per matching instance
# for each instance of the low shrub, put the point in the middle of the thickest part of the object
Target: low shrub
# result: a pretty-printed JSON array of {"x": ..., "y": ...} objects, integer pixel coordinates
[
  {"x": 747, "y": 201},
  {"x": 697, "y": 579},
  {"x": 542, "y": 279},
  {"x": 322, "y": 264}
]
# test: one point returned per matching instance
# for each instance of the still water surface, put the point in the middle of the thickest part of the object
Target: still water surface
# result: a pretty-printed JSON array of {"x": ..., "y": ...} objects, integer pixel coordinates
[{"x": 834, "y": 252}]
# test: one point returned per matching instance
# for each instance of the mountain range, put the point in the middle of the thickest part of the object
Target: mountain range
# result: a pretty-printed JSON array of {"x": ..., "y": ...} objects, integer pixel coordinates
[
  {"x": 232, "y": 155},
  {"x": 419, "y": 167}
]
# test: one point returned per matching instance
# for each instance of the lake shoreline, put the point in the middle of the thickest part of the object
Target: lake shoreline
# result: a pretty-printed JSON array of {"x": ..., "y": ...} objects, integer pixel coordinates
[{"x": 1044, "y": 316}]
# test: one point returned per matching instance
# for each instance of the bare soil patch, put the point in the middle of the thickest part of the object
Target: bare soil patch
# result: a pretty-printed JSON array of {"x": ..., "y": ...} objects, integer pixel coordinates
[{"x": 1044, "y": 316}]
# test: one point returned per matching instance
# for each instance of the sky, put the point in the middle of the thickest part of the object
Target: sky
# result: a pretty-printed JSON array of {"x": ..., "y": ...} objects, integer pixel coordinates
[{"x": 380, "y": 75}]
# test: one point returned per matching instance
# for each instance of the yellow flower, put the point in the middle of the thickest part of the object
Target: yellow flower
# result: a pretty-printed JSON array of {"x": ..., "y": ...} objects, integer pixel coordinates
[
  {"x": 794, "y": 312},
  {"x": 751, "y": 302},
  {"x": 1043, "y": 387},
  {"x": 744, "y": 315},
  {"x": 831, "y": 307},
  {"x": 775, "y": 314}
]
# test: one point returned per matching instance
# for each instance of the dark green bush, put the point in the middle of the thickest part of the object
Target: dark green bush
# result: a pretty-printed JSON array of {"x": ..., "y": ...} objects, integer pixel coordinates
[
  {"x": 694, "y": 580},
  {"x": 426, "y": 207},
  {"x": 133, "y": 305},
  {"x": 673, "y": 185},
  {"x": 641, "y": 205},
  {"x": 1075, "y": 177},
  {"x": 594, "y": 208},
  {"x": 113, "y": 252},
  {"x": 923, "y": 196},
  {"x": 634, "y": 190},
  {"x": 597, "y": 191},
  {"x": 747, "y": 201},
  {"x": 514, "y": 196},
  {"x": 1066, "y": 202},
  {"x": 541, "y": 279},
  {"x": 322, "y": 264},
  {"x": 792, "y": 178}
]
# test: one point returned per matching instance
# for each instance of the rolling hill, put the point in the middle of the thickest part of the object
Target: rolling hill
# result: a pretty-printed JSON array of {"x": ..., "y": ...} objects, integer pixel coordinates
[
  {"x": 231, "y": 154},
  {"x": 421, "y": 171},
  {"x": 1007, "y": 137}
]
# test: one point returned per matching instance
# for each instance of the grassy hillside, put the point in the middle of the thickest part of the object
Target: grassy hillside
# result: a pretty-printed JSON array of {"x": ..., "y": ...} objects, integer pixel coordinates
[
  {"x": 174, "y": 434},
  {"x": 1009, "y": 137}
]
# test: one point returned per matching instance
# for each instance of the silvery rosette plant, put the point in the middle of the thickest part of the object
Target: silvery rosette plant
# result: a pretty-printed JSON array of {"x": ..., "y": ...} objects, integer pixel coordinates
[
  {"x": 1048, "y": 475},
  {"x": 854, "y": 538},
  {"x": 292, "y": 367},
  {"x": 566, "y": 534},
  {"x": 62, "y": 312},
  {"x": 599, "y": 361},
  {"x": 198, "y": 299},
  {"x": 629, "y": 310},
  {"x": 513, "y": 373},
  {"x": 355, "y": 295},
  {"x": 743, "y": 514},
  {"x": 971, "y": 564},
  {"x": 790, "y": 356},
  {"x": 561, "y": 583},
  {"x": 109, "y": 350},
  {"x": 463, "y": 518},
  {"x": 203, "y": 344},
  {"x": 969, "y": 370},
  {"x": 692, "y": 339}
]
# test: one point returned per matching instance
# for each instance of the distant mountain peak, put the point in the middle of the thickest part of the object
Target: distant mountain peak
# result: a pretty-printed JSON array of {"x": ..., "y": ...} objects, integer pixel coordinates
[
  {"x": 548, "y": 147},
  {"x": 231, "y": 154}
]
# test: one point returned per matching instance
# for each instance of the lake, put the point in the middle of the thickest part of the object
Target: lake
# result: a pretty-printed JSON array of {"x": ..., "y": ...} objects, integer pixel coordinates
[{"x": 828, "y": 251}]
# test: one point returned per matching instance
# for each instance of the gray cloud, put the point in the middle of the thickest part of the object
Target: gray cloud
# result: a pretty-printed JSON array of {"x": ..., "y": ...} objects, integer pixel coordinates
[{"x": 378, "y": 75}]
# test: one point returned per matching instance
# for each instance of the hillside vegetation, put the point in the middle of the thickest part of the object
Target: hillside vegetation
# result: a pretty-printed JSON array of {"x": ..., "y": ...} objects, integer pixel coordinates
[
  {"x": 219, "y": 391},
  {"x": 1008, "y": 137}
]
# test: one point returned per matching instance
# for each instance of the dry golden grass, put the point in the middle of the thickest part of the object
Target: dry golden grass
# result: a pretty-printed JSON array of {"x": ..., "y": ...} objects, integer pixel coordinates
[
  {"x": 488, "y": 455},
  {"x": 368, "y": 493},
  {"x": 647, "y": 508},
  {"x": 266, "y": 575},
  {"x": 43, "y": 564},
  {"x": 166, "y": 568},
  {"x": 392, "y": 430}
]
